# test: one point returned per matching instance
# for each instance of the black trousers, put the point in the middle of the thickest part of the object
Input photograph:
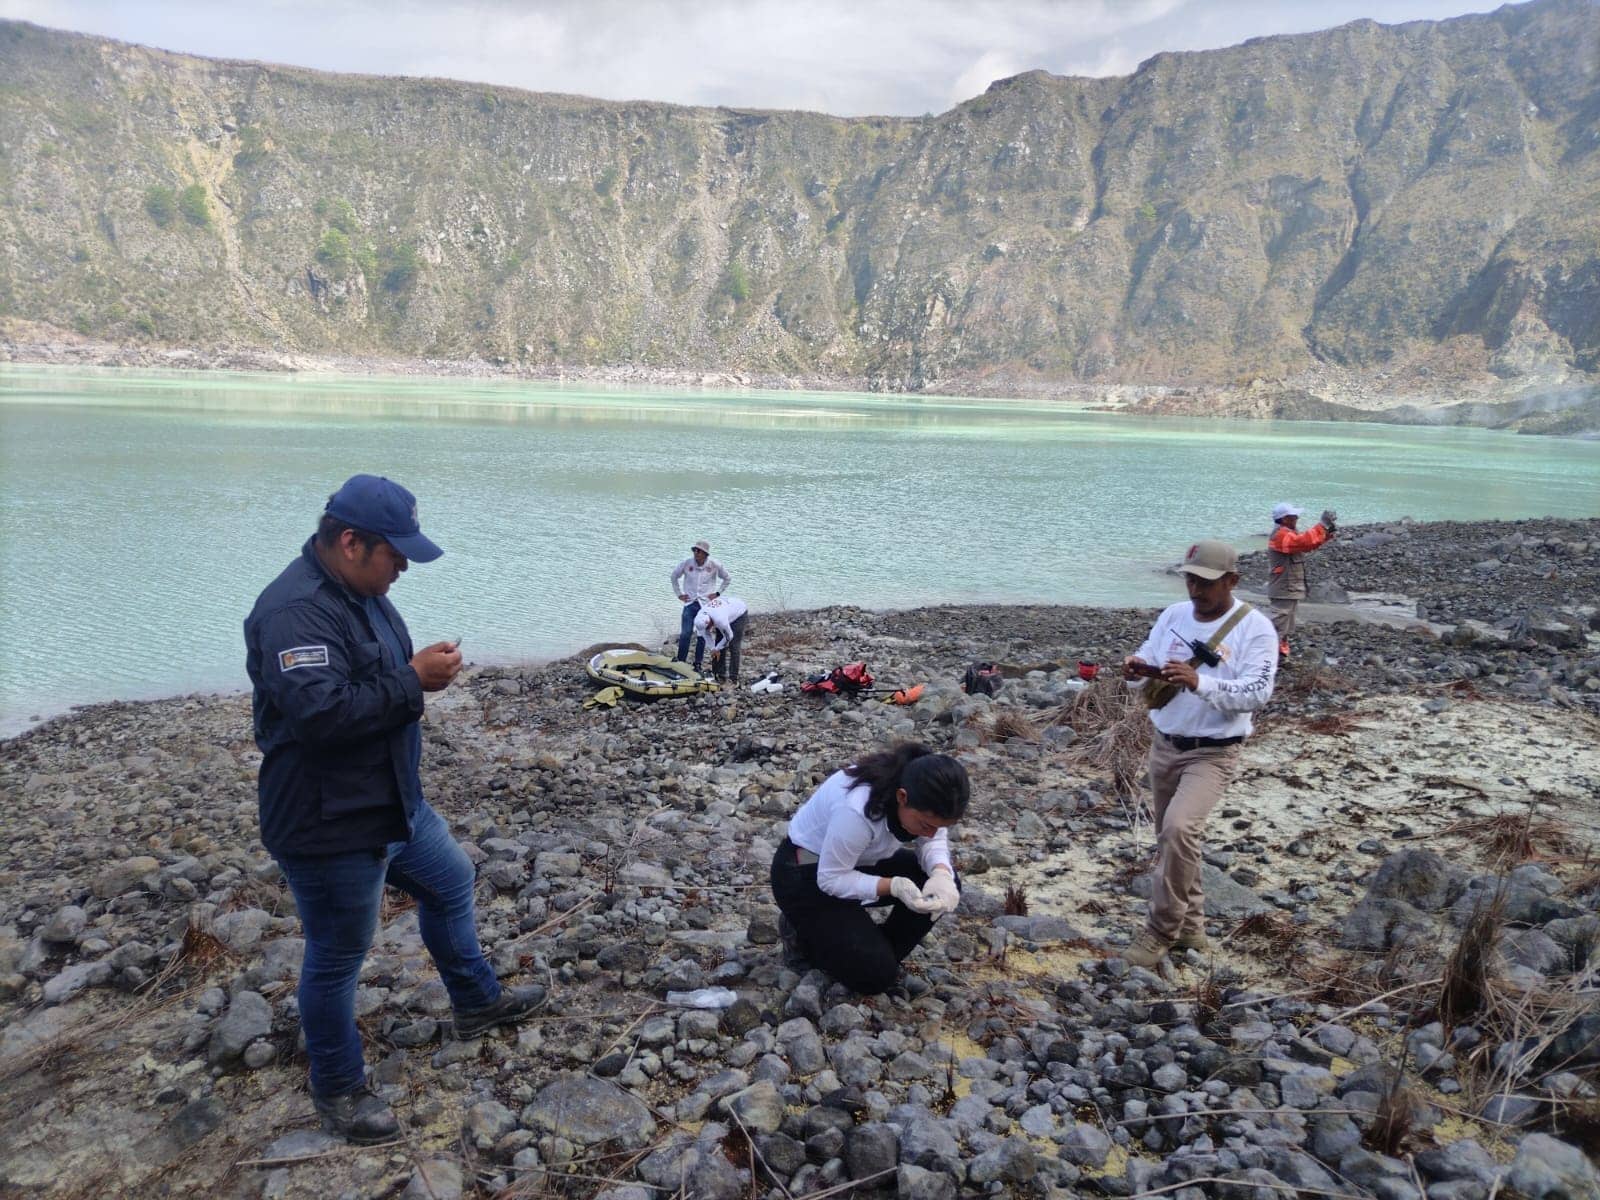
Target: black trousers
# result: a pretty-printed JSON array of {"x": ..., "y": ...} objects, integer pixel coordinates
[
  {"x": 840, "y": 936},
  {"x": 727, "y": 666}
]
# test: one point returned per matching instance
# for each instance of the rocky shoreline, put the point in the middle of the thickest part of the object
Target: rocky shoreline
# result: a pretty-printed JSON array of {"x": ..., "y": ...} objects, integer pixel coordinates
[
  {"x": 1565, "y": 404},
  {"x": 1360, "y": 1029}
]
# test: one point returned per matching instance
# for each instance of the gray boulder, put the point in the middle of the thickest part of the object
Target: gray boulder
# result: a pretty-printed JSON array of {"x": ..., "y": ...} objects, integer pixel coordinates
[
  {"x": 1228, "y": 899},
  {"x": 916, "y": 1183},
  {"x": 249, "y": 1017},
  {"x": 870, "y": 1150},
  {"x": 758, "y": 1107},
  {"x": 1012, "y": 1161},
  {"x": 1576, "y": 1046},
  {"x": 1419, "y": 877},
  {"x": 1375, "y": 924},
  {"x": 1548, "y": 1169},
  {"x": 1464, "y": 1159},
  {"x": 586, "y": 1111}
]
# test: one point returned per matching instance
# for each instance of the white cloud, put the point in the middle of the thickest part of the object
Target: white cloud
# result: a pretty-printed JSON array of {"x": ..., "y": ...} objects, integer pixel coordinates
[{"x": 848, "y": 57}]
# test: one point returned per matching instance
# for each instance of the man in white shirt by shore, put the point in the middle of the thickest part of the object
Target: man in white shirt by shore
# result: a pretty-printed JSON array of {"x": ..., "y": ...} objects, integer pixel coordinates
[
  {"x": 695, "y": 580},
  {"x": 721, "y": 624},
  {"x": 1198, "y": 729}
]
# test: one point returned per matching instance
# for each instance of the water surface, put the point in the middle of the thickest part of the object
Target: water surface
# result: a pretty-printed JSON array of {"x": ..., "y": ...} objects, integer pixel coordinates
[{"x": 141, "y": 513}]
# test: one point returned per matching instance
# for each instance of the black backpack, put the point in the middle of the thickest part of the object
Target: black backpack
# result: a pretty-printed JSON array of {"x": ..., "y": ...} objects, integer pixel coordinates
[{"x": 983, "y": 678}]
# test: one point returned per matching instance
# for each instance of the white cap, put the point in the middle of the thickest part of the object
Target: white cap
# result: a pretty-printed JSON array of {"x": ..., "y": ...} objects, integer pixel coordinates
[{"x": 1284, "y": 509}]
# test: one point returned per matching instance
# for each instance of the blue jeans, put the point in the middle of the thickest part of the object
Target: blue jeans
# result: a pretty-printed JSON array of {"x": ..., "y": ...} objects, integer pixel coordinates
[
  {"x": 685, "y": 631},
  {"x": 338, "y": 896}
]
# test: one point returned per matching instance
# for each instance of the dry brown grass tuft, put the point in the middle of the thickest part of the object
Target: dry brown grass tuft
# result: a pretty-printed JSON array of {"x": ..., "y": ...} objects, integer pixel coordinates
[
  {"x": 199, "y": 952},
  {"x": 1271, "y": 935},
  {"x": 1469, "y": 971},
  {"x": 1332, "y": 724},
  {"x": 1508, "y": 839},
  {"x": 784, "y": 639},
  {"x": 1394, "y": 1118},
  {"x": 1302, "y": 682},
  {"x": 1016, "y": 900},
  {"x": 1207, "y": 999},
  {"x": 1113, "y": 728},
  {"x": 1008, "y": 726}
]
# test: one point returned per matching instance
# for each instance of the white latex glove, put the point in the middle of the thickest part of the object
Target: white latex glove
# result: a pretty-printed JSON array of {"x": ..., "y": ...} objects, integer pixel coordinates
[
  {"x": 940, "y": 893},
  {"x": 903, "y": 890}
]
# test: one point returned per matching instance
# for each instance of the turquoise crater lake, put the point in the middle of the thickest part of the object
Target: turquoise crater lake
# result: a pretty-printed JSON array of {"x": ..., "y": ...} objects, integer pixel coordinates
[{"x": 141, "y": 513}]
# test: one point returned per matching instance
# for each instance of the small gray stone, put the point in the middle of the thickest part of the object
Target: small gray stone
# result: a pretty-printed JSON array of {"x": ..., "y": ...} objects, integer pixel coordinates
[
  {"x": 196, "y": 1119},
  {"x": 1012, "y": 1161},
  {"x": 123, "y": 876},
  {"x": 249, "y": 1017},
  {"x": 65, "y": 926},
  {"x": 489, "y": 1121},
  {"x": 759, "y": 1107},
  {"x": 74, "y": 979},
  {"x": 1169, "y": 1078},
  {"x": 302, "y": 1143},
  {"x": 434, "y": 1179},
  {"x": 927, "y": 1141},
  {"x": 1086, "y": 1145}
]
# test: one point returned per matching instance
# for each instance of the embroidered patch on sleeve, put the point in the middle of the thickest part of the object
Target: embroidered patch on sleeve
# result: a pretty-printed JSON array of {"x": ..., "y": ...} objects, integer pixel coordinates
[{"x": 302, "y": 656}]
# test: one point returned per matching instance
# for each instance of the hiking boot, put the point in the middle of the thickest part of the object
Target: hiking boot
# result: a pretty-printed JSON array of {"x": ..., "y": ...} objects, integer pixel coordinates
[
  {"x": 515, "y": 1004},
  {"x": 1147, "y": 950},
  {"x": 358, "y": 1116},
  {"x": 1192, "y": 939},
  {"x": 793, "y": 957}
]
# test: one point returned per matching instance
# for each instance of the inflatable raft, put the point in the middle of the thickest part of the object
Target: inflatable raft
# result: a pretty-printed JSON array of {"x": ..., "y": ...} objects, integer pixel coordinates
[{"x": 647, "y": 676}]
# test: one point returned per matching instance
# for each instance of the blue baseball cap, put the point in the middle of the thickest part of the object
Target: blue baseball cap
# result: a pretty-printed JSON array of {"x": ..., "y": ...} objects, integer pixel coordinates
[{"x": 382, "y": 506}]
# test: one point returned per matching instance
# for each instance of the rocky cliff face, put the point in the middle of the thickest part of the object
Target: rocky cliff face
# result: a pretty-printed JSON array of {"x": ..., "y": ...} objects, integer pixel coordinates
[{"x": 1369, "y": 197}]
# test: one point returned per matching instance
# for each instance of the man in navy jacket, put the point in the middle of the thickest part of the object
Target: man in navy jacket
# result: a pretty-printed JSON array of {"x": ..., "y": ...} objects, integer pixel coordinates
[{"x": 338, "y": 694}]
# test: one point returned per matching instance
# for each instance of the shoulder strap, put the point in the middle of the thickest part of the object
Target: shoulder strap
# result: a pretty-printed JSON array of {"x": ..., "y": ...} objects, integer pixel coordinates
[{"x": 1239, "y": 614}]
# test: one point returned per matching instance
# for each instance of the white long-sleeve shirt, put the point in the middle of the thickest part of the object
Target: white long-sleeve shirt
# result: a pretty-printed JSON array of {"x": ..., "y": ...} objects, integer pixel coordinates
[
  {"x": 690, "y": 579},
  {"x": 1228, "y": 693},
  {"x": 715, "y": 622},
  {"x": 833, "y": 825}
]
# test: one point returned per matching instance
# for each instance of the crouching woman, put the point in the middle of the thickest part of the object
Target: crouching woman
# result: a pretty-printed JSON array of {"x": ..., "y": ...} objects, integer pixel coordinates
[{"x": 872, "y": 834}]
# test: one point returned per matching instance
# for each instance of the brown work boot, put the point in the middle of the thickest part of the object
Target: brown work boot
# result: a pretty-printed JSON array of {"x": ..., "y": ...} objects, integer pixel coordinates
[
  {"x": 1192, "y": 939},
  {"x": 1147, "y": 950}
]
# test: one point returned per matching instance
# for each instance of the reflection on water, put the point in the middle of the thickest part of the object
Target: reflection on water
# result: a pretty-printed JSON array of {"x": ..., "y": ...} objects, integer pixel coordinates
[{"x": 141, "y": 513}]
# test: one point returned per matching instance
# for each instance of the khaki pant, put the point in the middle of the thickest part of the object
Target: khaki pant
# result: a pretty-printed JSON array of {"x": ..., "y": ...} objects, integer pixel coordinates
[
  {"x": 1187, "y": 785},
  {"x": 1283, "y": 616}
]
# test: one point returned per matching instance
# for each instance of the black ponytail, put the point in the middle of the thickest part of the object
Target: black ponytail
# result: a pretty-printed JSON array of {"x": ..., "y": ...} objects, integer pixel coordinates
[{"x": 935, "y": 783}]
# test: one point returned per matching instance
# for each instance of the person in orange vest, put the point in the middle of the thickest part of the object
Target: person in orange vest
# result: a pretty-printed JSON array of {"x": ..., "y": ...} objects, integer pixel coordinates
[{"x": 1286, "y": 552}]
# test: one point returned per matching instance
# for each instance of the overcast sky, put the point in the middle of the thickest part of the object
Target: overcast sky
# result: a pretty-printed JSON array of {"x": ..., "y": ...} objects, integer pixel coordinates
[{"x": 848, "y": 57}]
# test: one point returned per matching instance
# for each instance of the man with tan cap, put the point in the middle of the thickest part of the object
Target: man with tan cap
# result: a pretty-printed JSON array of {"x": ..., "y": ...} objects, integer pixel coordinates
[
  {"x": 1208, "y": 663},
  {"x": 695, "y": 580}
]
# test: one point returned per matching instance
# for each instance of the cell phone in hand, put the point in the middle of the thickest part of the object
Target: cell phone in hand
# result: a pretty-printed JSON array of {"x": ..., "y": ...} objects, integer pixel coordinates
[{"x": 1148, "y": 670}]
